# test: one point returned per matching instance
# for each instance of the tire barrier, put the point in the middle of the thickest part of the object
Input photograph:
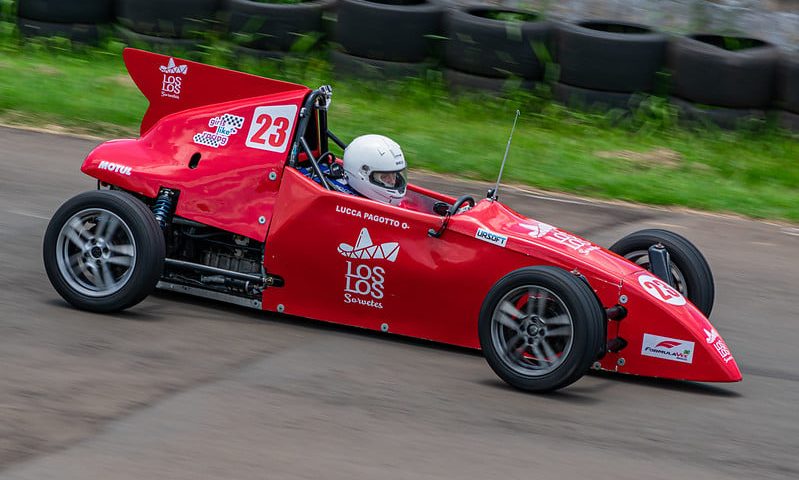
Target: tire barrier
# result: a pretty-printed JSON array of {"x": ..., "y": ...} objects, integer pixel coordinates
[
  {"x": 345, "y": 65},
  {"x": 154, "y": 43},
  {"x": 724, "y": 117},
  {"x": 169, "y": 18},
  {"x": 392, "y": 30},
  {"x": 75, "y": 32},
  {"x": 76, "y": 21},
  {"x": 731, "y": 72},
  {"x": 788, "y": 120},
  {"x": 459, "y": 82},
  {"x": 276, "y": 27},
  {"x": 496, "y": 43},
  {"x": 61, "y": 11},
  {"x": 603, "y": 63},
  {"x": 588, "y": 99},
  {"x": 788, "y": 85}
]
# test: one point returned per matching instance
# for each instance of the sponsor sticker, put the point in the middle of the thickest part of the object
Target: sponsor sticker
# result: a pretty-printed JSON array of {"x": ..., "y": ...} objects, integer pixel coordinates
[
  {"x": 550, "y": 233},
  {"x": 668, "y": 348},
  {"x": 225, "y": 125},
  {"x": 270, "y": 128},
  {"x": 721, "y": 347},
  {"x": 661, "y": 290},
  {"x": 172, "y": 83},
  {"x": 491, "y": 237},
  {"x": 364, "y": 282},
  {"x": 115, "y": 167}
]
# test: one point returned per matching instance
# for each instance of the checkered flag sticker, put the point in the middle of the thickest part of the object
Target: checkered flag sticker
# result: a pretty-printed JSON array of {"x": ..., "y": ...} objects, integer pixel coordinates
[{"x": 232, "y": 121}]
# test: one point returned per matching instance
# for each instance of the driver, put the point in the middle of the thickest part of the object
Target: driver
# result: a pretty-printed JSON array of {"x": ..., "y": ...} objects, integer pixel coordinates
[{"x": 376, "y": 168}]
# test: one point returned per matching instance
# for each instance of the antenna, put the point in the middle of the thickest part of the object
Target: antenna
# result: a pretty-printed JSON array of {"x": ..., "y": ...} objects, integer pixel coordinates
[{"x": 493, "y": 193}]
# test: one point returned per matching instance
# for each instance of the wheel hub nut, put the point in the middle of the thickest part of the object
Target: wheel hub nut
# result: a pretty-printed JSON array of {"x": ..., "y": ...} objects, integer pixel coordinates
[{"x": 97, "y": 252}]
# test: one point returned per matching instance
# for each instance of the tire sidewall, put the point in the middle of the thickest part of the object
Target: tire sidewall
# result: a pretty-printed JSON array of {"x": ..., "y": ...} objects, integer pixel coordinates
[
  {"x": 150, "y": 250},
  {"x": 587, "y": 327}
]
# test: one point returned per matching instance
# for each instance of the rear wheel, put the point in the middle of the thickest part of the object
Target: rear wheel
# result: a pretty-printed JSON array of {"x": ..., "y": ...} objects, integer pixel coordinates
[
  {"x": 103, "y": 251},
  {"x": 541, "y": 328},
  {"x": 689, "y": 269}
]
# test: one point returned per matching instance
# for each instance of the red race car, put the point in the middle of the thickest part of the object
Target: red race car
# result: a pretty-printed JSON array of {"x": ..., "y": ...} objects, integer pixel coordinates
[{"x": 231, "y": 193}]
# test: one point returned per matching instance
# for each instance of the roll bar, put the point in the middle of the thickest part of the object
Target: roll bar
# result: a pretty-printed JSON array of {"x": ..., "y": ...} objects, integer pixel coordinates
[{"x": 318, "y": 100}]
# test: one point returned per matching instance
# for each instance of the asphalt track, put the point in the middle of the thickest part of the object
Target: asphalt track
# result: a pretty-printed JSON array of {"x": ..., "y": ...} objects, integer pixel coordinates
[{"x": 178, "y": 388}]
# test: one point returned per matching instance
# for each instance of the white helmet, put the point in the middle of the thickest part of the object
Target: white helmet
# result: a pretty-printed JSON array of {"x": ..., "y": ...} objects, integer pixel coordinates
[{"x": 376, "y": 168}]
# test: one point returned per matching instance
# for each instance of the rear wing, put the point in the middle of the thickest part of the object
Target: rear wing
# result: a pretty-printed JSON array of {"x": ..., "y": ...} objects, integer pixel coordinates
[{"x": 172, "y": 85}]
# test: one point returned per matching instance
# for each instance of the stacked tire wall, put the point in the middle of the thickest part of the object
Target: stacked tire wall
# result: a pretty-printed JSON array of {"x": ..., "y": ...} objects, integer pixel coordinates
[{"x": 78, "y": 21}]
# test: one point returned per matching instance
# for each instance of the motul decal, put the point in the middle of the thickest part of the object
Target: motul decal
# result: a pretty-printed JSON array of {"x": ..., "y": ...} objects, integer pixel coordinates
[
  {"x": 115, "y": 167},
  {"x": 552, "y": 234},
  {"x": 491, "y": 237},
  {"x": 668, "y": 348}
]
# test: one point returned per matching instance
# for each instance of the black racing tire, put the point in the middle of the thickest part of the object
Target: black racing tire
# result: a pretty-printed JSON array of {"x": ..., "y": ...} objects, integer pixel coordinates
[
  {"x": 587, "y": 99},
  {"x": 61, "y": 11},
  {"x": 133, "y": 219},
  {"x": 345, "y": 65},
  {"x": 242, "y": 53},
  {"x": 722, "y": 117},
  {"x": 703, "y": 71},
  {"x": 689, "y": 267},
  {"x": 80, "y": 33},
  {"x": 275, "y": 26},
  {"x": 610, "y": 55},
  {"x": 788, "y": 84},
  {"x": 156, "y": 44},
  {"x": 788, "y": 121},
  {"x": 487, "y": 47},
  {"x": 560, "y": 293},
  {"x": 460, "y": 82},
  {"x": 169, "y": 18},
  {"x": 393, "y": 30}
]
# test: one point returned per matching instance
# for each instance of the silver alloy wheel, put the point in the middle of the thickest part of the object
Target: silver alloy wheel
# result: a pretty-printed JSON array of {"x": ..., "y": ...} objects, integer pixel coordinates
[
  {"x": 641, "y": 257},
  {"x": 95, "y": 252},
  {"x": 532, "y": 329}
]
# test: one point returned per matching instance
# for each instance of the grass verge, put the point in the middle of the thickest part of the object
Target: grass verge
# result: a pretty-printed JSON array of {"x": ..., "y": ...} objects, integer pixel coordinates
[{"x": 645, "y": 157}]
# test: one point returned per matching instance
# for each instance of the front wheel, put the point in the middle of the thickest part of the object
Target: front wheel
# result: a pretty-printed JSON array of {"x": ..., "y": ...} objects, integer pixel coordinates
[
  {"x": 541, "y": 328},
  {"x": 689, "y": 269},
  {"x": 103, "y": 251}
]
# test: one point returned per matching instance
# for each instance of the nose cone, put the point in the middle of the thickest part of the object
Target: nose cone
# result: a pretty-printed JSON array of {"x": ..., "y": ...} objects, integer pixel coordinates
[{"x": 668, "y": 337}]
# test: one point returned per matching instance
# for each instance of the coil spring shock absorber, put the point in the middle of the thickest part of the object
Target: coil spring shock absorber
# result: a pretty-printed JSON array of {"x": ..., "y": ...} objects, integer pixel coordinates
[{"x": 162, "y": 209}]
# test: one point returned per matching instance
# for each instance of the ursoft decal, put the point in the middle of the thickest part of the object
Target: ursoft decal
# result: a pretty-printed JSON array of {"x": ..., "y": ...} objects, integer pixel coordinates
[
  {"x": 667, "y": 348},
  {"x": 271, "y": 128},
  {"x": 115, "y": 167},
  {"x": 721, "y": 347},
  {"x": 661, "y": 290},
  {"x": 172, "y": 82},
  {"x": 491, "y": 237},
  {"x": 363, "y": 282},
  {"x": 226, "y": 125}
]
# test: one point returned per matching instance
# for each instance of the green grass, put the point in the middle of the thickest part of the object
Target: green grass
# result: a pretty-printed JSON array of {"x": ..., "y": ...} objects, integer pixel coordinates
[{"x": 644, "y": 158}]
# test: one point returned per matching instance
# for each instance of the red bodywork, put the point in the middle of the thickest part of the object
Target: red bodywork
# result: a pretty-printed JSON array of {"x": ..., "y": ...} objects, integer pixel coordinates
[{"x": 354, "y": 261}]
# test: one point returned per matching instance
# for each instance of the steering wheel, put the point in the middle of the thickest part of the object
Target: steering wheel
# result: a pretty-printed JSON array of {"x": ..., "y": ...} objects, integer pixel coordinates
[{"x": 459, "y": 203}]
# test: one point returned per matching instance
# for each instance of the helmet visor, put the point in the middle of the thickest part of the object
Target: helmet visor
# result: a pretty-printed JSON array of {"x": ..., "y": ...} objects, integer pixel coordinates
[{"x": 396, "y": 180}]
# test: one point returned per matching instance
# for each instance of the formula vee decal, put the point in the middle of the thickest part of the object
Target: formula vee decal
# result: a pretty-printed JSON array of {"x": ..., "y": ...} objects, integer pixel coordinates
[
  {"x": 226, "y": 125},
  {"x": 661, "y": 290},
  {"x": 668, "y": 348},
  {"x": 364, "y": 283},
  {"x": 271, "y": 128}
]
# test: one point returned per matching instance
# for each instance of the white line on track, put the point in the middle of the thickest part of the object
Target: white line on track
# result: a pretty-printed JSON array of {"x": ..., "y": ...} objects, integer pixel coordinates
[{"x": 28, "y": 214}]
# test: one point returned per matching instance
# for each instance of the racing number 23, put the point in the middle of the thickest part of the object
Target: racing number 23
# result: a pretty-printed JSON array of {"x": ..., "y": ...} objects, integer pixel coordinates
[{"x": 271, "y": 127}]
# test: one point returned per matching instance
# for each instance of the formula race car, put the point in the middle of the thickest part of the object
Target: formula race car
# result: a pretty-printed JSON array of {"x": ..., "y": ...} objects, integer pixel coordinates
[{"x": 231, "y": 193}]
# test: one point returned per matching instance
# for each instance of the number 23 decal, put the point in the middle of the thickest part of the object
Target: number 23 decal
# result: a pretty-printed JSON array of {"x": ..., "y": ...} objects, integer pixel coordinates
[{"x": 271, "y": 127}]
